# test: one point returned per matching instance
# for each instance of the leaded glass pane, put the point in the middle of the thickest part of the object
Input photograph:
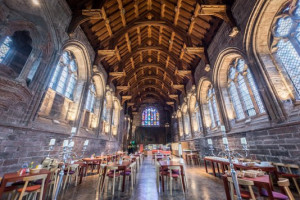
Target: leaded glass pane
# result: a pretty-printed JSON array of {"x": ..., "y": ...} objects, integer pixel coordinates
[
  {"x": 246, "y": 96},
  {"x": 216, "y": 111},
  {"x": 236, "y": 101},
  {"x": 62, "y": 80},
  {"x": 65, "y": 58},
  {"x": 255, "y": 92},
  {"x": 211, "y": 112},
  {"x": 150, "y": 117},
  {"x": 4, "y": 48},
  {"x": 240, "y": 65},
  {"x": 290, "y": 60},
  {"x": 284, "y": 26},
  {"x": 55, "y": 76},
  {"x": 232, "y": 72}
]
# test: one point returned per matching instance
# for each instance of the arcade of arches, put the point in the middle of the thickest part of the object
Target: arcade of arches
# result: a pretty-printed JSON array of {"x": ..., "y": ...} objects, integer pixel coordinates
[{"x": 123, "y": 75}]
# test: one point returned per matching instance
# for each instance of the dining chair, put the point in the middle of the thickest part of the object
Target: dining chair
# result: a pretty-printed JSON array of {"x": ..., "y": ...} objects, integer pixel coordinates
[
  {"x": 294, "y": 174},
  {"x": 131, "y": 173},
  {"x": 47, "y": 163},
  {"x": 9, "y": 190},
  {"x": 244, "y": 193},
  {"x": 111, "y": 174},
  {"x": 290, "y": 171},
  {"x": 285, "y": 183},
  {"x": 101, "y": 174},
  {"x": 32, "y": 190},
  {"x": 53, "y": 181},
  {"x": 72, "y": 171},
  {"x": 174, "y": 172}
]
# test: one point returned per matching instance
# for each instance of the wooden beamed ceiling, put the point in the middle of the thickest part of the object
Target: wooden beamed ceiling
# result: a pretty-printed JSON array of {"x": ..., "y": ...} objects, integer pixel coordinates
[{"x": 150, "y": 48}]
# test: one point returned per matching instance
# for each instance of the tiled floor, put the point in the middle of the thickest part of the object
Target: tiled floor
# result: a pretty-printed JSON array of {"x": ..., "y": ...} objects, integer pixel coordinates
[{"x": 201, "y": 186}]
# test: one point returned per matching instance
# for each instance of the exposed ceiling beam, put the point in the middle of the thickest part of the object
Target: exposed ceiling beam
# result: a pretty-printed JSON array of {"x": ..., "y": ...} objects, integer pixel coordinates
[
  {"x": 106, "y": 20},
  {"x": 136, "y": 8},
  {"x": 196, "y": 13},
  {"x": 177, "y": 11},
  {"x": 162, "y": 8},
  {"x": 122, "y": 12}
]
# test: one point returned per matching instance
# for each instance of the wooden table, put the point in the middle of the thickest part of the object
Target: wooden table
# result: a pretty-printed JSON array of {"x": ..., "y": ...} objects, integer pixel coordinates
[
  {"x": 191, "y": 157},
  {"x": 121, "y": 167},
  {"x": 92, "y": 161},
  {"x": 268, "y": 169},
  {"x": 15, "y": 177},
  {"x": 260, "y": 182},
  {"x": 166, "y": 164}
]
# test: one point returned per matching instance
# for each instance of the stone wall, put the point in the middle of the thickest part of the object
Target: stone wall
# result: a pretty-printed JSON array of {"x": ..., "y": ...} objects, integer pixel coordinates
[
  {"x": 28, "y": 119},
  {"x": 269, "y": 137}
]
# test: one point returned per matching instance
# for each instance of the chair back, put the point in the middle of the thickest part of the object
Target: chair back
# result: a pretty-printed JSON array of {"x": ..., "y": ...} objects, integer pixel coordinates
[
  {"x": 72, "y": 167},
  {"x": 280, "y": 167},
  {"x": 285, "y": 183},
  {"x": 242, "y": 182},
  {"x": 34, "y": 178},
  {"x": 292, "y": 168},
  {"x": 46, "y": 163}
]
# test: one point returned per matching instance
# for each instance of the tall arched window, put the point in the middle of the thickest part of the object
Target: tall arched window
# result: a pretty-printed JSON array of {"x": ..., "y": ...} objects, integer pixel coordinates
[
  {"x": 213, "y": 108},
  {"x": 90, "y": 101},
  {"x": 150, "y": 117},
  {"x": 198, "y": 126},
  {"x": 286, "y": 43},
  {"x": 65, "y": 75},
  {"x": 4, "y": 48},
  {"x": 243, "y": 90}
]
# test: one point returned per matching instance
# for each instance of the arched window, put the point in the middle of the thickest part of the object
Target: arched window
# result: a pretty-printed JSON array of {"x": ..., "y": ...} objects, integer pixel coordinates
[
  {"x": 213, "y": 108},
  {"x": 150, "y": 117},
  {"x": 243, "y": 90},
  {"x": 198, "y": 124},
  {"x": 65, "y": 75},
  {"x": 5, "y": 48},
  {"x": 90, "y": 101},
  {"x": 286, "y": 43}
]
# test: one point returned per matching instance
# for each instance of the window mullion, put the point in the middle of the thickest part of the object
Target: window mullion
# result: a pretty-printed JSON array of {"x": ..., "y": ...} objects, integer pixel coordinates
[
  {"x": 240, "y": 97},
  {"x": 67, "y": 82},
  {"x": 61, "y": 68},
  {"x": 251, "y": 93}
]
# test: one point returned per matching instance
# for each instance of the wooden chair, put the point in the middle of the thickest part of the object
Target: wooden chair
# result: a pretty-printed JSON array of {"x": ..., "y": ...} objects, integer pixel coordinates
[
  {"x": 285, "y": 183},
  {"x": 174, "y": 173},
  {"x": 101, "y": 174},
  {"x": 72, "y": 171},
  {"x": 34, "y": 189},
  {"x": 53, "y": 181},
  {"x": 111, "y": 174},
  {"x": 292, "y": 169},
  {"x": 245, "y": 194},
  {"x": 289, "y": 171},
  {"x": 47, "y": 163},
  {"x": 131, "y": 173}
]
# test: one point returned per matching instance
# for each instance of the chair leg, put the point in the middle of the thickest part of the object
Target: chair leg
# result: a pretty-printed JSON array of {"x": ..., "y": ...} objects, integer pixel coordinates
[
  {"x": 113, "y": 193},
  {"x": 171, "y": 180},
  {"x": 181, "y": 183},
  {"x": 296, "y": 184}
]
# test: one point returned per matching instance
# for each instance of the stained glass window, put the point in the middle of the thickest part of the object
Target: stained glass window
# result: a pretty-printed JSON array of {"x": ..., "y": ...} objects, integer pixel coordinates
[
  {"x": 287, "y": 42},
  {"x": 243, "y": 90},
  {"x": 213, "y": 109},
  {"x": 64, "y": 78},
  {"x": 90, "y": 101},
  {"x": 4, "y": 48},
  {"x": 150, "y": 117}
]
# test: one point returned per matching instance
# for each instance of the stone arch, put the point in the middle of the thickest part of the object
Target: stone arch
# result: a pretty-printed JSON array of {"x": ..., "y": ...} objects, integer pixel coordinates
[
  {"x": 220, "y": 78},
  {"x": 203, "y": 86},
  {"x": 257, "y": 41}
]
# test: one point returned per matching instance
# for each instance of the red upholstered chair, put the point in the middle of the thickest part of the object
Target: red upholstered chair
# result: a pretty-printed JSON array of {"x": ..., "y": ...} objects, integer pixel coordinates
[{"x": 34, "y": 189}]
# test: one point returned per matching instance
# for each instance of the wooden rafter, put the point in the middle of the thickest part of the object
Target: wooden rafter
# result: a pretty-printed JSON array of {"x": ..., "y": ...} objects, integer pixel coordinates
[
  {"x": 177, "y": 11},
  {"x": 136, "y": 8},
  {"x": 138, "y": 30},
  {"x": 160, "y": 35},
  {"x": 149, "y": 4},
  {"x": 171, "y": 41},
  {"x": 162, "y": 9},
  {"x": 196, "y": 13},
  {"x": 122, "y": 12},
  {"x": 128, "y": 42},
  {"x": 107, "y": 22}
]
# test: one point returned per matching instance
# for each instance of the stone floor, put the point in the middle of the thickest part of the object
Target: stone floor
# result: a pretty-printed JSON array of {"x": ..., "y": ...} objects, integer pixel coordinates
[{"x": 201, "y": 186}]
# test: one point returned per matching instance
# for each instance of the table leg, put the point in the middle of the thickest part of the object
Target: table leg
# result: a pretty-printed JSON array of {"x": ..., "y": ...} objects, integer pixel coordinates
[
  {"x": 123, "y": 184},
  {"x": 2, "y": 187},
  {"x": 182, "y": 178},
  {"x": 226, "y": 188},
  {"x": 103, "y": 179},
  {"x": 213, "y": 168},
  {"x": 205, "y": 166},
  {"x": 270, "y": 194},
  {"x": 46, "y": 186},
  {"x": 163, "y": 183},
  {"x": 218, "y": 168}
]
